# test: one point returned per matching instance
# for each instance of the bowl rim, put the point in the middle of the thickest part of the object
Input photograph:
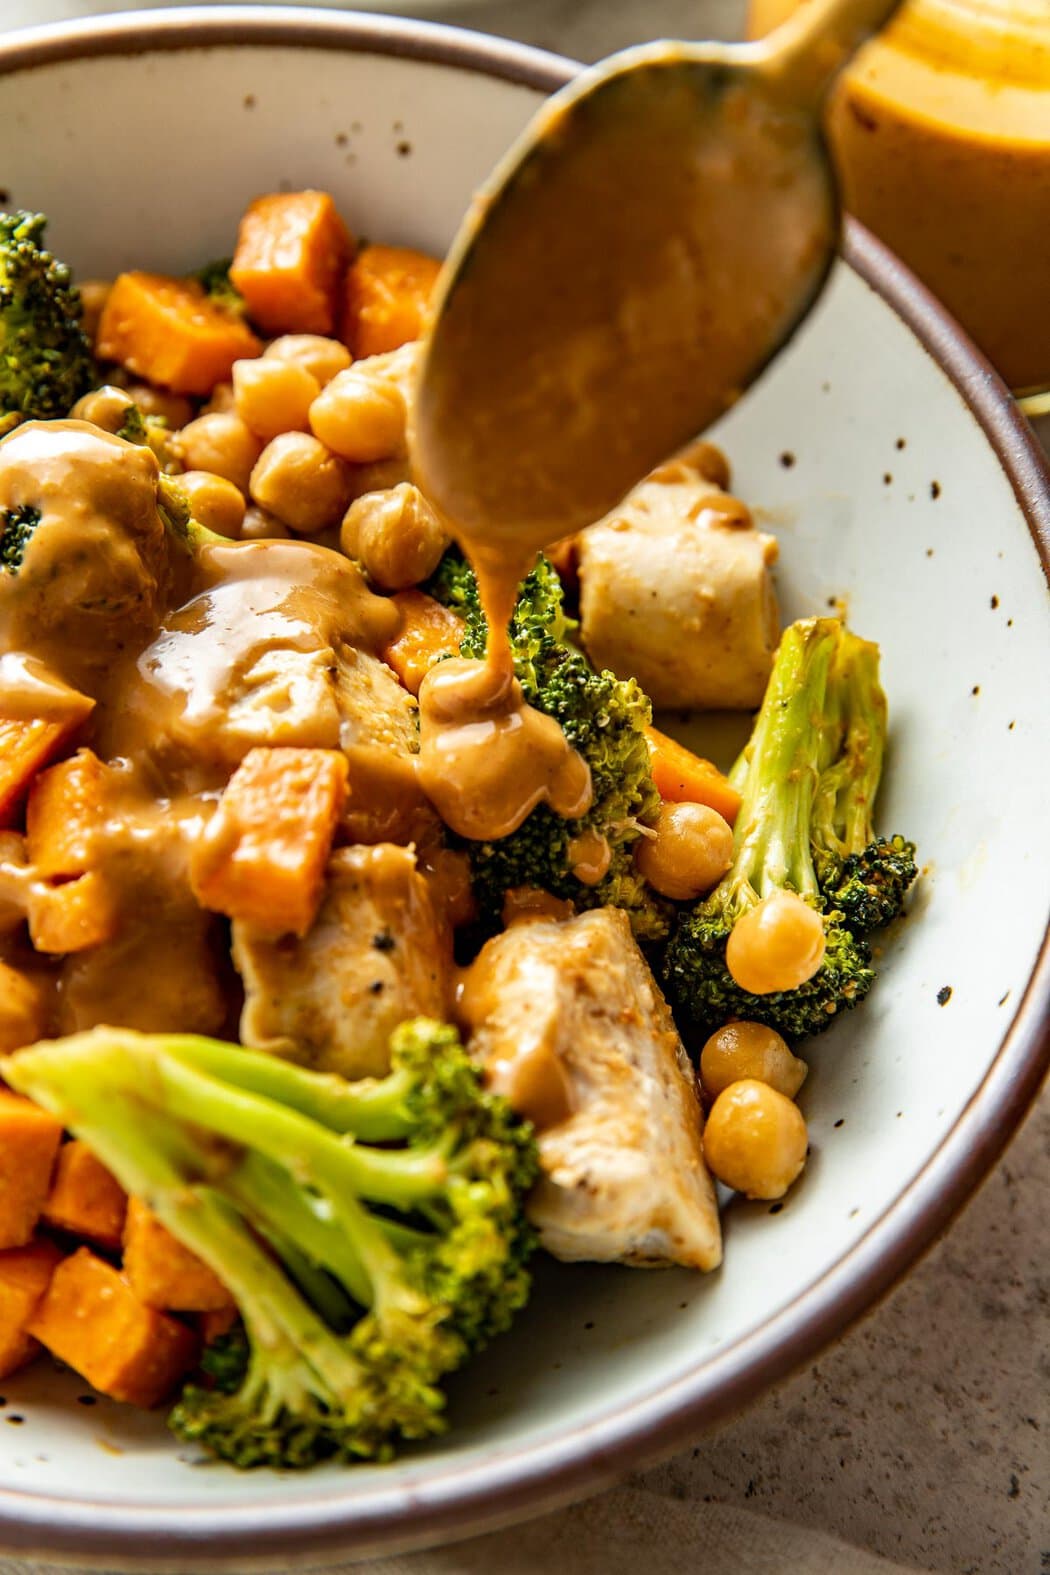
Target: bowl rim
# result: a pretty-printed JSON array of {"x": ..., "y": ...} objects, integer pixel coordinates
[{"x": 514, "y": 1484}]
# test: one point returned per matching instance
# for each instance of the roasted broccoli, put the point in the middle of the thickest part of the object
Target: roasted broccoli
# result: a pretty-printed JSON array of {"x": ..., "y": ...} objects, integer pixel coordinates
[
  {"x": 603, "y": 717},
  {"x": 864, "y": 876},
  {"x": 371, "y": 1233},
  {"x": 214, "y": 279},
  {"x": 45, "y": 355},
  {"x": 812, "y": 767},
  {"x": 16, "y": 527}
]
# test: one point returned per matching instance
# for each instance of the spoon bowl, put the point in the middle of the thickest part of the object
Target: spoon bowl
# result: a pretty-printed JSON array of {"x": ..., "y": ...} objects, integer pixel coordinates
[{"x": 647, "y": 246}]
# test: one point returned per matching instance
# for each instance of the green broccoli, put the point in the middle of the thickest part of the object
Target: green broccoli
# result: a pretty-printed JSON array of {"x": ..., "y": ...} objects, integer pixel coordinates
[
  {"x": 16, "y": 527},
  {"x": 214, "y": 279},
  {"x": 797, "y": 740},
  {"x": 45, "y": 355},
  {"x": 603, "y": 717},
  {"x": 371, "y": 1233},
  {"x": 864, "y": 876}
]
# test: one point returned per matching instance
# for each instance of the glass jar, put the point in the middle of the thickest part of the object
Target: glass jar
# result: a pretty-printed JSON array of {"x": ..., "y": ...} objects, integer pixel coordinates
[{"x": 941, "y": 133}]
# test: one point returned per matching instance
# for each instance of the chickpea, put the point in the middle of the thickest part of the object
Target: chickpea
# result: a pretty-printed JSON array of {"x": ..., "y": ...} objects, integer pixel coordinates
[
  {"x": 297, "y": 479},
  {"x": 273, "y": 396},
  {"x": 221, "y": 399},
  {"x": 258, "y": 525},
  {"x": 755, "y": 1140},
  {"x": 381, "y": 476},
  {"x": 221, "y": 443},
  {"x": 214, "y": 502},
  {"x": 321, "y": 357},
  {"x": 691, "y": 851},
  {"x": 395, "y": 536},
  {"x": 93, "y": 296},
  {"x": 360, "y": 418},
  {"x": 174, "y": 409},
  {"x": 106, "y": 407},
  {"x": 750, "y": 1050},
  {"x": 777, "y": 945}
]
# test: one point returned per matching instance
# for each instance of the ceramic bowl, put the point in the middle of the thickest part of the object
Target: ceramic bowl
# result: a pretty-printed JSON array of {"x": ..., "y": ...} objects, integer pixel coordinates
[{"x": 887, "y": 457}]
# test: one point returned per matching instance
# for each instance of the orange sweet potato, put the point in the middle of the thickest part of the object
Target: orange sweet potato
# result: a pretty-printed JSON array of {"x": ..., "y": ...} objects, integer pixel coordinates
[
  {"x": 163, "y": 1273},
  {"x": 85, "y": 1199},
  {"x": 65, "y": 807},
  {"x": 387, "y": 295},
  {"x": 29, "y": 1139},
  {"x": 263, "y": 856},
  {"x": 682, "y": 777},
  {"x": 169, "y": 331},
  {"x": 25, "y": 1273},
  {"x": 26, "y": 746},
  {"x": 73, "y": 916},
  {"x": 24, "y": 1008},
  {"x": 292, "y": 252},
  {"x": 91, "y": 1319},
  {"x": 428, "y": 631}
]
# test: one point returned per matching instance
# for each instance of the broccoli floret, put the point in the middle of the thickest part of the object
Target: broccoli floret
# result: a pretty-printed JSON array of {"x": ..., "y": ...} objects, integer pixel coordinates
[
  {"x": 16, "y": 527},
  {"x": 864, "y": 876},
  {"x": 603, "y": 717},
  {"x": 371, "y": 1233},
  {"x": 214, "y": 279},
  {"x": 795, "y": 740},
  {"x": 133, "y": 428},
  {"x": 45, "y": 355}
]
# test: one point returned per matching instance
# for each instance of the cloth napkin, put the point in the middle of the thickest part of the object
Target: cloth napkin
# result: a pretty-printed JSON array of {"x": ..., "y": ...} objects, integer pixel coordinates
[{"x": 623, "y": 1532}]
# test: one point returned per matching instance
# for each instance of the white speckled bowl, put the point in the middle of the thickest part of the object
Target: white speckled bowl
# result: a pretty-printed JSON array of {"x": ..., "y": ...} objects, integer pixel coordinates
[{"x": 888, "y": 458}]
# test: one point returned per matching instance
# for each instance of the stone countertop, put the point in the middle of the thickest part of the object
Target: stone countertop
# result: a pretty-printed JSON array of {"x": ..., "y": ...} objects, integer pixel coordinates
[{"x": 924, "y": 1434}]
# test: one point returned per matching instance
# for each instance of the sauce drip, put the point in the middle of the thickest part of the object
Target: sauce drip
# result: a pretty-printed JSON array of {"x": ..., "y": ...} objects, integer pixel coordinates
[{"x": 487, "y": 758}]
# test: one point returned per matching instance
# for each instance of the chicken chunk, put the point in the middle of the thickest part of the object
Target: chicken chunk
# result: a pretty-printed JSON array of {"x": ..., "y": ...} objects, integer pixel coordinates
[
  {"x": 570, "y": 1025},
  {"x": 278, "y": 648},
  {"x": 377, "y": 954},
  {"x": 676, "y": 591}
]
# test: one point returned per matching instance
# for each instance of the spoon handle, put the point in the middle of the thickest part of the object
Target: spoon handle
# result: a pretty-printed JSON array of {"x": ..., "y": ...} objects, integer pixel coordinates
[{"x": 805, "y": 54}]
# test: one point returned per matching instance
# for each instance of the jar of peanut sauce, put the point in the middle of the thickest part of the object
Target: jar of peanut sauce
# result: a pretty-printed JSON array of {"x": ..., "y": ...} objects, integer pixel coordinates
[{"x": 940, "y": 130}]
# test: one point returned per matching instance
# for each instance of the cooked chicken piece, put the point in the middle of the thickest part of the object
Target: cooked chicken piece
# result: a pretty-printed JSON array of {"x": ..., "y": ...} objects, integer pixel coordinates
[
  {"x": 376, "y": 955},
  {"x": 278, "y": 647},
  {"x": 675, "y": 590},
  {"x": 570, "y": 1025}
]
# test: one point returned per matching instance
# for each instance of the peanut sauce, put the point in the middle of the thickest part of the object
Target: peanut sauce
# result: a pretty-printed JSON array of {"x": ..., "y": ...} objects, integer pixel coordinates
[{"x": 486, "y": 757}]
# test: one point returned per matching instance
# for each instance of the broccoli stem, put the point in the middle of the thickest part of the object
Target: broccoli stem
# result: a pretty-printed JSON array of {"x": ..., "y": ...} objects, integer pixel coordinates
[
  {"x": 403, "y": 1178},
  {"x": 260, "y": 1189},
  {"x": 845, "y": 805},
  {"x": 373, "y": 1110},
  {"x": 784, "y": 759}
]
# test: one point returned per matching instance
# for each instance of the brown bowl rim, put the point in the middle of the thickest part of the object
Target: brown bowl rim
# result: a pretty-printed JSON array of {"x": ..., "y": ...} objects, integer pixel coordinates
[{"x": 513, "y": 1485}]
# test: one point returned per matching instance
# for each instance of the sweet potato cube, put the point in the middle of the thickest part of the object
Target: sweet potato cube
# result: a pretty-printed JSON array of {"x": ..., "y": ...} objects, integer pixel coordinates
[
  {"x": 163, "y": 1273},
  {"x": 679, "y": 776},
  {"x": 213, "y": 1325},
  {"x": 64, "y": 811},
  {"x": 263, "y": 856},
  {"x": 25, "y": 747},
  {"x": 428, "y": 632},
  {"x": 23, "y": 1009},
  {"x": 85, "y": 1199},
  {"x": 169, "y": 331},
  {"x": 91, "y": 1319},
  {"x": 29, "y": 1139},
  {"x": 387, "y": 298},
  {"x": 74, "y": 916},
  {"x": 292, "y": 252},
  {"x": 25, "y": 1274}
]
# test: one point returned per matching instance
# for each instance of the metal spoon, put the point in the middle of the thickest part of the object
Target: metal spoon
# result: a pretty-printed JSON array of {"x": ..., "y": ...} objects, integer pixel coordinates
[{"x": 650, "y": 242}]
